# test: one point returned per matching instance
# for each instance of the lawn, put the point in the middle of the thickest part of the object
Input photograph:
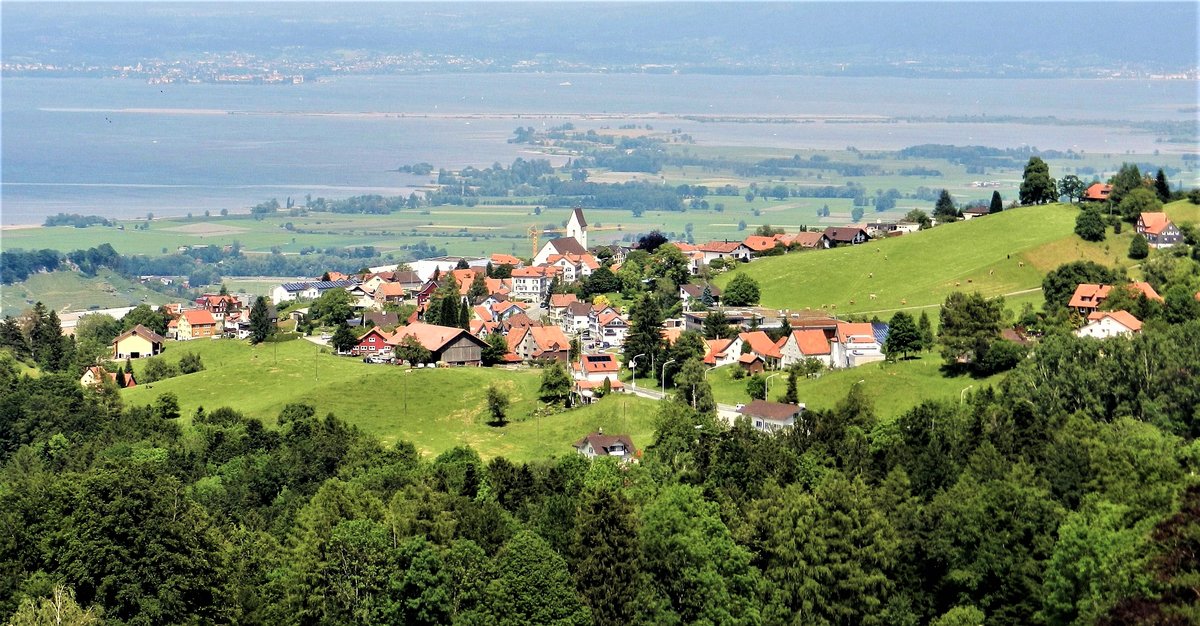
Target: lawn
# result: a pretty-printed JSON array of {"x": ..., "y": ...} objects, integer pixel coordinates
[
  {"x": 434, "y": 409},
  {"x": 893, "y": 387},
  {"x": 66, "y": 290},
  {"x": 994, "y": 255}
]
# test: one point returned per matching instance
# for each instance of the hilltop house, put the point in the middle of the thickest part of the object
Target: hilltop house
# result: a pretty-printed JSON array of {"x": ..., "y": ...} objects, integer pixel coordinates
[
  {"x": 714, "y": 250},
  {"x": 857, "y": 344},
  {"x": 1088, "y": 297},
  {"x": 1097, "y": 192},
  {"x": 1159, "y": 230},
  {"x": 373, "y": 342},
  {"x": 137, "y": 342},
  {"x": 844, "y": 235}
]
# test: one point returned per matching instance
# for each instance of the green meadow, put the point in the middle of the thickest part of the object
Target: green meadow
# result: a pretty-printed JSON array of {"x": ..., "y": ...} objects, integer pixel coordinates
[
  {"x": 1008, "y": 253},
  {"x": 65, "y": 290},
  {"x": 893, "y": 388},
  {"x": 435, "y": 409}
]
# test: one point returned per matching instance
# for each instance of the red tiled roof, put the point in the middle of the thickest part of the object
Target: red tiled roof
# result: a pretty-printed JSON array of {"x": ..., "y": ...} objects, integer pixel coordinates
[
  {"x": 1145, "y": 289},
  {"x": 1124, "y": 318},
  {"x": 811, "y": 342},
  {"x": 725, "y": 247},
  {"x": 1088, "y": 295},
  {"x": 198, "y": 317},
  {"x": 505, "y": 259},
  {"x": 385, "y": 290},
  {"x": 749, "y": 357},
  {"x": 761, "y": 343},
  {"x": 549, "y": 339},
  {"x": 562, "y": 299},
  {"x": 431, "y": 336},
  {"x": 759, "y": 243},
  {"x": 804, "y": 240},
  {"x": 1154, "y": 223},
  {"x": 602, "y": 363},
  {"x": 858, "y": 332},
  {"x": 1097, "y": 191}
]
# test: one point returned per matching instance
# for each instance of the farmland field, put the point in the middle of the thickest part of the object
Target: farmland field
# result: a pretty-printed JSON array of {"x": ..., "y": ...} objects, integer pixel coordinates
[{"x": 435, "y": 409}]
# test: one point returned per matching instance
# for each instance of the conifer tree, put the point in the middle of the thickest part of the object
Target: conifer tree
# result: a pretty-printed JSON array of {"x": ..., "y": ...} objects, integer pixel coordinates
[
  {"x": 1161, "y": 187},
  {"x": 997, "y": 204},
  {"x": 260, "y": 321},
  {"x": 944, "y": 210},
  {"x": 606, "y": 551},
  {"x": 645, "y": 334}
]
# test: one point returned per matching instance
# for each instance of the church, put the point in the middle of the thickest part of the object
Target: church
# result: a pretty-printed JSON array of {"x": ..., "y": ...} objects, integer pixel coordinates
[{"x": 574, "y": 243}]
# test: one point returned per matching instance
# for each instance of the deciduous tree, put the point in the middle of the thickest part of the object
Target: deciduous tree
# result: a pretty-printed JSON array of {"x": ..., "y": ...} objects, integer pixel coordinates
[
  {"x": 1037, "y": 187},
  {"x": 903, "y": 336},
  {"x": 741, "y": 291}
]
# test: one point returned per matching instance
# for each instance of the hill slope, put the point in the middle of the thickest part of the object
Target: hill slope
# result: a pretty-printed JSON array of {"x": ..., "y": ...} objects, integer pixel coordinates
[
  {"x": 75, "y": 292},
  {"x": 434, "y": 409},
  {"x": 995, "y": 255}
]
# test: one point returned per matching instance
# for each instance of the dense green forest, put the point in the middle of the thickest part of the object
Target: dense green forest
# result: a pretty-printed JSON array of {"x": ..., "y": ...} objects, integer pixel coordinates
[{"x": 1066, "y": 496}]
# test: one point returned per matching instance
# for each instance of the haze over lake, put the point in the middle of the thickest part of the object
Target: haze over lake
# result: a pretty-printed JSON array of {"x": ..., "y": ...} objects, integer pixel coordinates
[{"x": 123, "y": 148}]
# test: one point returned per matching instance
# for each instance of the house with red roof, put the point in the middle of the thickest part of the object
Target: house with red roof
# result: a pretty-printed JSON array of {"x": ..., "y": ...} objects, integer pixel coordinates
[
  {"x": 596, "y": 367},
  {"x": 96, "y": 376},
  {"x": 1105, "y": 324},
  {"x": 762, "y": 345},
  {"x": 557, "y": 307},
  {"x": 573, "y": 267},
  {"x": 734, "y": 250},
  {"x": 389, "y": 293},
  {"x": 218, "y": 305},
  {"x": 498, "y": 259},
  {"x": 540, "y": 343},
  {"x": 758, "y": 244},
  {"x": 718, "y": 352},
  {"x": 608, "y": 328},
  {"x": 1088, "y": 297},
  {"x": 800, "y": 240},
  {"x": 197, "y": 324},
  {"x": 1097, "y": 192},
  {"x": 452, "y": 346},
  {"x": 855, "y": 344},
  {"x": 533, "y": 283},
  {"x": 1158, "y": 229},
  {"x": 809, "y": 343}
]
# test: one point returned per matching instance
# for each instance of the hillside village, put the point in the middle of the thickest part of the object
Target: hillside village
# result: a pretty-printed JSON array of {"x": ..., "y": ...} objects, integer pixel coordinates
[{"x": 556, "y": 306}]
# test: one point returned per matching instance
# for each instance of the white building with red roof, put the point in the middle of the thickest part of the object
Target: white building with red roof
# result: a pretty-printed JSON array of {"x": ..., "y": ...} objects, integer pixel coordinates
[
  {"x": 810, "y": 343},
  {"x": 1105, "y": 324},
  {"x": 855, "y": 344},
  {"x": 1158, "y": 229}
]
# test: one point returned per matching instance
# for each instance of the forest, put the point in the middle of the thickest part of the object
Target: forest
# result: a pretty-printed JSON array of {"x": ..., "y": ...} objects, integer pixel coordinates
[{"x": 1066, "y": 495}]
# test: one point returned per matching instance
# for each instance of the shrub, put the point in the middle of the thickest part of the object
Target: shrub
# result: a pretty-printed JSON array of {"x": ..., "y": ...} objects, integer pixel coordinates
[
  {"x": 1139, "y": 248},
  {"x": 158, "y": 369},
  {"x": 190, "y": 363}
]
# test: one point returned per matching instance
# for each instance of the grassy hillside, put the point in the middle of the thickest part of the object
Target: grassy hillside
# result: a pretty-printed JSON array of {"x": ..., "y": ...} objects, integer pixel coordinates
[
  {"x": 893, "y": 387},
  {"x": 75, "y": 292},
  {"x": 995, "y": 255},
  {"x": 1182, "y": 211},
  {"x": 434, "y": 409}
]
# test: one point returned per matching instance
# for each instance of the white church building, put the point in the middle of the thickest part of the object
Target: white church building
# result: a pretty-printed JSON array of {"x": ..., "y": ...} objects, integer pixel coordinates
[{"x": 574, "y": 243}]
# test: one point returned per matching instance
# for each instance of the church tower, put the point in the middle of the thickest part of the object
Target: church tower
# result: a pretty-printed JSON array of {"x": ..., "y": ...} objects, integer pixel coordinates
[{"x": 577, "y": 227}]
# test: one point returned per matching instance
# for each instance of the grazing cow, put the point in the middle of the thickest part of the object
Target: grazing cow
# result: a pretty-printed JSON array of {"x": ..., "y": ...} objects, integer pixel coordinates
[
  {"x": 851, "y": 303},
  {"x": 991, "y": 272},
  {"x": 871, "y": 275},
  {"x": 904, "y": 302},
  {"x": 969, "y": 281},
  {"x": 957, "y": 284},
  {"x": 873, "y": 296},
  {"x": 1020, "y": 264}
]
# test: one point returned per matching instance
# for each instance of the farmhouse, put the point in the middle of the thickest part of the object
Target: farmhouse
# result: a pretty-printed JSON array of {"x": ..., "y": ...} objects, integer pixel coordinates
[
  {"x": 1097, "y": 192},
  {"x": 771, "y": 416},
  {"x": 541, "y": 343},
  {"x": 1159, "y": 230},
  {"x": 96, "y": 375},
  {"x": 452, "y": 346},
  {"x": 598, "y": 444},
  {"x": 810, "y": 343},
  {"x": 375, "y": 341},
  {"x": 843, "y": 235},
  {"x": 714, "y": 250},
  {"x": 137, "y": 342},
  {"x": 1087, "y": 297}
]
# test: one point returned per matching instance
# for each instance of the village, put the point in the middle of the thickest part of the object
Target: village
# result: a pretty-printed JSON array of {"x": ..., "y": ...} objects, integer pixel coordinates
[{"x": 530, "y": 312}]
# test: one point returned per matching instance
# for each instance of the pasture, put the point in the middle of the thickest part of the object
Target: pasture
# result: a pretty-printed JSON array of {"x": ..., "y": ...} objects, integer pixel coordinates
[
  {"x": 66, "y": 290},
  {"x": 435, "y": 409}
]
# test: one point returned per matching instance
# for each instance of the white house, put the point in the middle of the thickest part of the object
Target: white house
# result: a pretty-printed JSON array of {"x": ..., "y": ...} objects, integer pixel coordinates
[
  {"x": 855, "y": 344},
  {"x": 609, "y": 328},
  {"x": 1105, "y": 324},
  {"x": 771, "y": 416},
  {"x": 532, "y": 283},
  {"x": 806, "y": 344},
  {"x": 598, "y": 444},
  {"x": 735, "y": 250}
]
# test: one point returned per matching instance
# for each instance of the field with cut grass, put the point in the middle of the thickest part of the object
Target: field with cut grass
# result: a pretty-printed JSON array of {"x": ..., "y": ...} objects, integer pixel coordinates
[
  {"x": 893, "y": 387},
  {"x": 65, "y": 290},
  {"x": 995, "y": 255},
  {"x": 434, "y": 409}
]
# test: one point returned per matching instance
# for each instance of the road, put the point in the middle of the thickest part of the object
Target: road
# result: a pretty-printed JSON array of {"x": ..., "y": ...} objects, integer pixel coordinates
[{"x": 727, "y": 412}]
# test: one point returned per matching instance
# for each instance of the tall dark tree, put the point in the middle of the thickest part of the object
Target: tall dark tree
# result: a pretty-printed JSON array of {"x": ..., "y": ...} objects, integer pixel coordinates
[
  {"x": 556, "y": 384},
  {"x": 692, "y": 390},
  {"x": 343, "y": 339},
  {"x": 1090, "y": 226},
  {"x": 716, "y": 325},
  {"x": 969, "y": 325},
  {"x": 645, "y": 335},
  {"x": 926, "y": 329},
  {"x": 1128, "y": 178},
  {"x": 1061, "y": 282},
  {"x": 1037, "y": 187},
  {"x": 651, "y": 241},
  {"x": 1161, "y": 187},
  {"x": 495, "y": 350},
  {"x": 464, "y": 315},
  {"x": 903, "y": 336},
  {"x": 478, "y": 290},
  {"x": 997, "y": 204},
  {"x": 944, "y": 209},
  {"x": 1072, "y": 187},
  {"x": 606, "y": 552},
  {"x": 533, "y": 586},
  {"x": 1139, "y": 248},
  {"x": 260, "y": 321}
]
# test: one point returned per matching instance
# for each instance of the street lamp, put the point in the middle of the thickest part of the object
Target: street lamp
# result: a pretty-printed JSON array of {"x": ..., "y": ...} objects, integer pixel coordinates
[
  {"x": 664, "y": 376},
  {"x": 962, "y": 395},
  {"x": 767, "y": 386},
  {"x": 633, "y": 366}
]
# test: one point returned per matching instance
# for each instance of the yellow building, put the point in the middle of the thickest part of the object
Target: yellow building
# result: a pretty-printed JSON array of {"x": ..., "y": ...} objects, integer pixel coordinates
[{"x": 137, "y": 342}]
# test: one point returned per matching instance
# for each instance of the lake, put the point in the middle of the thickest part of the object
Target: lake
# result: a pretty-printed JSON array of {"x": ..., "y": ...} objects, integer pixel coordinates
[{"x": 123, "y": 148}]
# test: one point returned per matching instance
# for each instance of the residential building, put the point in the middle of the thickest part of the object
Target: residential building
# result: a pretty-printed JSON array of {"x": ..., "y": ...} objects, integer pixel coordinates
[
  {"x": 771, "y": 416},
  {"x": 970, "y": 213},
  {"x": 558, "y": 307},
  {"x": 540, "y": 343},
  {"x": 608, "y": 328},
  {"x": 1159, "y": 230},
  {"x": 426, "y": 268},
  {"x": 137, "y": 342},
  {"x": 844, "y": 235},
  {"x": 809, "y": 343},
  {"x": 573, "y": 267},
  {"x": 499, "y": 259},
  {"x": 758, "y": 244},
  {"x": 95, "y": 376},
  {"x": 197, "y": 324},
  {"x": 801, "y": 240},
  {"x": 311, "y": 290},
  {"x": 598, "y": 444},
  {"x": 373, "y": 342},
  {"x": 532, "y": 283},
  {"x": 219, "y": 305},
  {"x": 734, "y": 250},
  {"x": 737, "y": 318},
  {"x": 388, "y": 293},
  {"x": 690, "y": 292},
  {"x": 452, "y": 346},
  {"x": 1088, "y": 297},
  {"x": 720, "y": 352},
  {"x": 577, "y": 318},
  {"x": 856, "y": 344},
  {"x": 596, "y": 367},
  {"x": 1105, "y": 324},
  {"x": 762, "y": 345},
  {"x": 1097, "y": 192}
]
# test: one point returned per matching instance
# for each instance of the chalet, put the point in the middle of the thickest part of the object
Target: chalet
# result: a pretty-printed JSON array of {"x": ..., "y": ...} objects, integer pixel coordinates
[
  {"x": 800, "y": 345},
  {"x": 734, "y": 250},
  {"x": 137, "y": 342},
  {"x": 600, "y": 445},
  {"x": 573, "y": 267},
  {"x": 197, "y": 324},
  {"x": 843, "y": 235},
  {"x": 771, "y": 416},
  {"x": 1159, "y": 230},
  {"x": 1105, "y": 324},
  {"x": 1097, "y": 192},
  {"x": 690, "y": 292},
  {"x": 219, "y": 305},
  {"x": 857, "y": 344},
  {"x": 452, "y": 346},
  {"x": 558, "y": 306},
  {"x": 373, "y": 342},
  {"x": 540, "y": 343}
]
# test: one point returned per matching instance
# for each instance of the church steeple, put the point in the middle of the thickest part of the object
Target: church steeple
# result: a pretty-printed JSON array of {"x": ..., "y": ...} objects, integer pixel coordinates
[{"x": 577, "y": 227}]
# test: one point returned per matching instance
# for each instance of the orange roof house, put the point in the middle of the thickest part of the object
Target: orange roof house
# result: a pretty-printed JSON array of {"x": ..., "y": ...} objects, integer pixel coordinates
[
  {"x": 1158, "y": 229},
  {"x": 506, "y": 259},
  {"x": 759, "y": 243},
  {"x": 196, "y": 324},
  {"x": 1088, "y": 297},
  {"x": 761, "y": 344},
  {"x": 1097, "y": 192}
]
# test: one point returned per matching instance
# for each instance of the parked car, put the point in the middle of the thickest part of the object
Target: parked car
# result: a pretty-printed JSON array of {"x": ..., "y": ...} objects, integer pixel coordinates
[{"x": 378, "y": 358}]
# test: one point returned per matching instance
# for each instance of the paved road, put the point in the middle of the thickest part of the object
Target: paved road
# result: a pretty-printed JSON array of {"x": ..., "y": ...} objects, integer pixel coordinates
[{"x": 727, "y": 412}]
